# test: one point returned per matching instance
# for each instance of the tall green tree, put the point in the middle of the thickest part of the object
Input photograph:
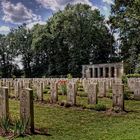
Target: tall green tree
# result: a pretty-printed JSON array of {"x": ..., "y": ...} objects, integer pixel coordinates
[
  {"x": 7, "y": 55},
  {"x": 125, "y": 20},
  {"x": 23, "y": 41},
  {"x": 75, "y": 36}
]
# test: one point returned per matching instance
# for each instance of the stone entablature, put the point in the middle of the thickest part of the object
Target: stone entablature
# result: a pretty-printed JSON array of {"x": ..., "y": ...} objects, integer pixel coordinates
[{"x": 109, "y": 70}]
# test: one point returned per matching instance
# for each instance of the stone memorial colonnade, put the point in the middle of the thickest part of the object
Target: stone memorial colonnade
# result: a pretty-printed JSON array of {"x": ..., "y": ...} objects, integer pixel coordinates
[{"x": 109, "y": 70}]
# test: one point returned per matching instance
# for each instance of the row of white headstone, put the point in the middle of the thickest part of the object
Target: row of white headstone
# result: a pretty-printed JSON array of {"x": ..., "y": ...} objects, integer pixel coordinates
[{"x": 26, "y": 96}]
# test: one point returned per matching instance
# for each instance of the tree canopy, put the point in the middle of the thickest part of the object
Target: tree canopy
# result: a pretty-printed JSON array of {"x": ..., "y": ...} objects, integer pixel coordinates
[
  {"x": 70, "y": 38},
  {"x": 125, "y": 19}
]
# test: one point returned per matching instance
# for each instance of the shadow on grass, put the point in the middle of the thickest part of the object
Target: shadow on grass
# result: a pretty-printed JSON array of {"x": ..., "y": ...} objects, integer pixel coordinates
[{"x": 41, "y": 131}]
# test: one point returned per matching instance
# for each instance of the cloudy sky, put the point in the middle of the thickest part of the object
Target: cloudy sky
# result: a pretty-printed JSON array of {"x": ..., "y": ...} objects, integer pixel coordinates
[{"x": 16, "y": 12}]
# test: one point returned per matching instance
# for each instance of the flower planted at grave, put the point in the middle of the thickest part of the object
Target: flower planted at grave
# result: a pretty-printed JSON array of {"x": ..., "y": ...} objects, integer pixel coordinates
[{"x": 63, "y": 87}]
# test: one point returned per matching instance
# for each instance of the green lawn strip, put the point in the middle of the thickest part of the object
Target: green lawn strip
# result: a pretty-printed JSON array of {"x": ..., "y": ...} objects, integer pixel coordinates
[{"x": 75, "y": 123}]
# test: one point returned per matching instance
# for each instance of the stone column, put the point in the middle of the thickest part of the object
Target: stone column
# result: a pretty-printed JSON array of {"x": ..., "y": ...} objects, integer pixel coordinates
[
  {"x": 118, "y": 97},
  {"x": 115, "y": 72},
  {"x": 88, "y": 73},
  {"x": 109, "y": 72},
  {"x": 4, "y": 102},
  {"x": 54, "y": 91},
  {"x": 83, "y": 71},
  {"x": 104, "y": 72},
  {"x": 98, "y": 72},
  {"x": 93, "y": 72},
  {"x": 71, "y": 93},
  {"x": 121, "y": 70},
  {"x": 27, "y": 109},
  {"x": 92, "y": 93}
]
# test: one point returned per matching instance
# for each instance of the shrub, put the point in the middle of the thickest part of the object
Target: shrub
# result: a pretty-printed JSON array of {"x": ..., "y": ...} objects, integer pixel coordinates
[
  {"x": 124, "y": 79},
  {"x": 45, "y": 91},
  {"x": 63, "y": 87},
  {"x": 81, "y": 94},
  {"x": 80, "y": 89},
  {"x": 127, "y": 94},
  {"x": 69, "y": 76},
  {"x": 136, "y": 75},
  {"x": 100, "y": 107},
  {"x": 35, "y": 95},
  {"x": 5, "y": 124},
  {"x": 19, "y": 128}
]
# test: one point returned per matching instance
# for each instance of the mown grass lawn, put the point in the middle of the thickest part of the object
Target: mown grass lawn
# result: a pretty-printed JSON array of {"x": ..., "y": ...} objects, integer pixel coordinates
[{"x": 77, "y": 124}]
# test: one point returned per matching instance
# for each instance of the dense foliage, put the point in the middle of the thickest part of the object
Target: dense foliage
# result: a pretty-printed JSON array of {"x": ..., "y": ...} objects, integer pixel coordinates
[
  {"x": 75, "y": 36},
  {"x": 125, "y": 20}
]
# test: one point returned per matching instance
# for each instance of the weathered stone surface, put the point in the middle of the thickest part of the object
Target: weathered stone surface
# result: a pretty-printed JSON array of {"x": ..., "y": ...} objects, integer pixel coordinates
[
  {"x": 92, "y": 93},
  {"x": 27, "y": 108},
  {"x": 137, "y": 91},
  {"x": 71, "y": 93},
  {"x": 17, "y": 89},
  {"x": 27, "y": 85},
  {"x": 4, "y": 102},
  {"x": 118, "y": 96},
  {"x": 40, "y": 92},
  {"x": 101, "y": 89},
  {"x": 54, "y": 91},
  {"x": 85, "y": 85},
  {"x": 131, "y": 83}
]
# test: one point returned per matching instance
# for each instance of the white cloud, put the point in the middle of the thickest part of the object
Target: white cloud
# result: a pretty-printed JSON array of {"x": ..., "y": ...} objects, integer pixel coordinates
[
  {"x": 105, "y": 8},
  {"x": 30, "y": 25},
  {"x": 108, "y": 1},
  {"x": 17, "y": 13},
  {"x": 106, "y": 12},
  {"x": 4, "y": 29},
  {"x": 56, "y": 5}
]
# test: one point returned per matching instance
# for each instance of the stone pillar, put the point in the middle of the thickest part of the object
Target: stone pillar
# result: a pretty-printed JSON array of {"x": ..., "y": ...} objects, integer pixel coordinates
[
  {"x": 98, "y": 69},
  {"x": 27, "y": 109},
  {"x": 101, "y": 89},
  {"x": 121, "y": 70},
  {"x": 4, "y": 102},
  {"x": 83, "y": 71},
  {"x": 137, "y": 91},
  {"x": 54, "y": 91},
  {"x": 115, "y": 72},
  {"x": 71, "y": 93},
  {"x": 92, "y": 93},
  {"x": 104, "y": 72},
  {"x": 88, "y": 73},
  {"x": 118, "y": 97},
  {"x": 93, "y": 72},
  {"x": 109, "y": 72}
]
